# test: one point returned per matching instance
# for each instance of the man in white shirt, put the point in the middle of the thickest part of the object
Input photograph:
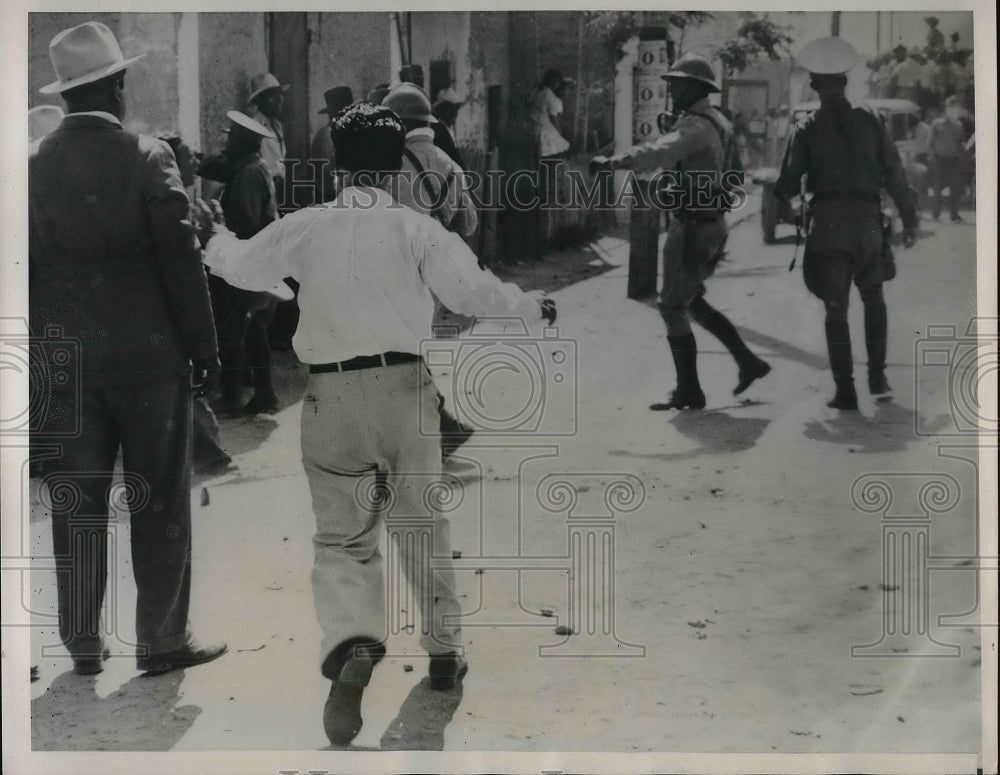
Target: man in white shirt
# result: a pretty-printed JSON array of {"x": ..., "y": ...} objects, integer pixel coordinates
[{"x": 367, "y": 268}]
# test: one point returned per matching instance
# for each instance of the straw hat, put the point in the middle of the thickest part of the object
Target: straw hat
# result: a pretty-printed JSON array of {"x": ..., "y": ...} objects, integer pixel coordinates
[
  {"x": 263, "y": 82},
  {"x": 245, "y": 122},
  {"x": 84, "y": 54}
]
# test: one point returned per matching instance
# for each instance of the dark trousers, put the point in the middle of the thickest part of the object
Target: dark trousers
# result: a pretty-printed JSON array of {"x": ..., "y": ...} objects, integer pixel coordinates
[
  {"x": 151, "y": 423},
  {"x": 242, "y": 321},
  {"x": 947, "y": 173}
]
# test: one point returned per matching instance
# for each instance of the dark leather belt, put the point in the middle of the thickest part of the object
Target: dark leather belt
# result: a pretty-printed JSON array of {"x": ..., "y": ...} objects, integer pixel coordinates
[
  {"x": 845, "y": 196},
  {"x": 364, "y": 362}
]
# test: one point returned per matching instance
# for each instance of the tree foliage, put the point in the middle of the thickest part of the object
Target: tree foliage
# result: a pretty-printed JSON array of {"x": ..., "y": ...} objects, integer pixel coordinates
[{"x": 755, "y": 37}]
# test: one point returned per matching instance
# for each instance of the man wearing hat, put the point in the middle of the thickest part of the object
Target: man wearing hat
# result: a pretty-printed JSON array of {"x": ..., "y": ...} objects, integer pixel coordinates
[
  {"x": 376, "y": 95},
  {"x": 367, "y": 272},
  {"x": 113, "y": 265},
  {"x": 946, "y": 149},
  {"x": 847, "y": 156},
  {"x": 267, "y": 102},
  {"x": 321, "y": 149},
  {"x": 429, "y": 182},
  {"x": 446, "y": 108},
  {"x": 935, "y": 38},
  {"x": 702, "y": 142},
  {"x": 42, "y": 119},
  {"x": 249, "y": 204}
]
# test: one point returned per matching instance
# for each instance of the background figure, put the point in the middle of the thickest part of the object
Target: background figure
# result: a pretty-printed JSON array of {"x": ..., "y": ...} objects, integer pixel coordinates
[
  {"x": 446, "y": 108},
  {"x": 947, "y": 158},
  {"x": 545, "y": 105},
  {"x": 112, "y": 263},
  {"x": 248, "y": 203},
  {"x": 935, "y": 38},
  {"x": 206, "y": 441},
  {"x": 321, "y": 148},
  {"x": 266, "y": 106},
  {"x": 412, "y": 74},
  {"x": 376, "y": 95},
  {"x": 42, "y": 120},
  {"x": 847, "y": 156}
]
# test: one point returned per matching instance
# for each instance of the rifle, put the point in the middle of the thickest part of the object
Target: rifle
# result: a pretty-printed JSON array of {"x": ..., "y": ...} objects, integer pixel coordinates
[{"x": 801, "y": 223}]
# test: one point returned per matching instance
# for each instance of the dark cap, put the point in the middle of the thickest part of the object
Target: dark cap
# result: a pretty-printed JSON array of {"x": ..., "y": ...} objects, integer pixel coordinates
[{"x": 336, "y": 98}]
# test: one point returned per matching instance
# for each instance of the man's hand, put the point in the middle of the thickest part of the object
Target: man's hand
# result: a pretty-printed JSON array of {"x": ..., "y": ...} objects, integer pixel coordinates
[
  {"x": 207, "y": 217},
  {"x": 204, "y": 376},
  {"x": 599, "y": 163}
]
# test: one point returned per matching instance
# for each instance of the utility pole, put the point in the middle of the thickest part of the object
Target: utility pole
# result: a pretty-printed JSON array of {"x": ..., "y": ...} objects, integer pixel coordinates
[{"x": 835, "y": 24}]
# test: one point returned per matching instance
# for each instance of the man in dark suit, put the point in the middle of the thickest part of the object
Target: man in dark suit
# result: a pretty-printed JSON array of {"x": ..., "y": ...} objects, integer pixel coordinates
[
  {"x": 114, "y": 265},
  {"x": 446, "y": 108}
]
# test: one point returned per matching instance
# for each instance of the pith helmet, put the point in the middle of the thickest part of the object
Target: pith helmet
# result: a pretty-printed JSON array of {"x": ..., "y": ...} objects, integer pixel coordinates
[
  {"x": 828, "y": 56},
  {"x": 695, "y": 67}
]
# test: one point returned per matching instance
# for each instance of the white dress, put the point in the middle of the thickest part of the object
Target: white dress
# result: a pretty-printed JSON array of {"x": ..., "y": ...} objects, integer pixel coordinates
[{"x": 546, "y": 105}]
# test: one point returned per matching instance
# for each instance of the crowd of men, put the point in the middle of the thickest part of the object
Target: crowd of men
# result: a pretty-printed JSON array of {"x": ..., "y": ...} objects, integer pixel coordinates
[
  {"x": 118, "y": 252},
  {"x": 117, "y": 258}
]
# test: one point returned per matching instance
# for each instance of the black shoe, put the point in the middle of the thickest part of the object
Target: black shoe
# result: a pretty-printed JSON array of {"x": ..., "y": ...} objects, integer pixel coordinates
[
  {"x": 846, "y": 399},
  {"x": 447, "y": 670},
  {"x": 342, "y": 712},
  {"x": 188, "y": 656},
  {"x": 682, "y": 399},
  {"x": 750, "y": 374},
  {"x": 879, "y": 387},
  {"x": 956, "y": 218},
  {"x": 261, "y": 405},
  {"x": 91, "y": 665}
]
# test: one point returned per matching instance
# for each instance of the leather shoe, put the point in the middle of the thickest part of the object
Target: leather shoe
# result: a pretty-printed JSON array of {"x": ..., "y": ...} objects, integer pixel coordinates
[
  {"x": 188, "y": 656},
  {"x": 91, "y": 665},
  {"x": 845, "y": 399},
  {"x": 682, "y": 399},
  {"x": 750, "y": 374},
  {"x": 342, "y": 712},
  {"x": 446, "y": 670}
]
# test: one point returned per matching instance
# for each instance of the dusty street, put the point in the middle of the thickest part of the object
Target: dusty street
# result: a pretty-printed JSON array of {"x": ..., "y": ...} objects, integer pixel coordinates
[{"x": 732, "y": 559}]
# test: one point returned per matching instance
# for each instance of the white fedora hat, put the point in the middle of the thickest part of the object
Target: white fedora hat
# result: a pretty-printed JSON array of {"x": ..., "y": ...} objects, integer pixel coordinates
[
  {"x": 263, "y": 82},
  {"x": 84, "y": 54},
  {"x": 42, "y": 119},
  {"x": 243, "y": 120}
]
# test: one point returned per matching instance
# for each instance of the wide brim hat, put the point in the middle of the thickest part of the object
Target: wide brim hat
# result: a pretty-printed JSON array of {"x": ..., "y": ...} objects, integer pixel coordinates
[
  {"x": 448, "y": 96},
  {"x": 84, "y": 54},
  {"x": 245, "y": 122},
  {"x": 42, "y": 119},
  {"x": 409, "y": 101},
  {"x": 337, "y": 98},
  {"x": 828, "y": 56},
  {"x": 264, "y": 82}
]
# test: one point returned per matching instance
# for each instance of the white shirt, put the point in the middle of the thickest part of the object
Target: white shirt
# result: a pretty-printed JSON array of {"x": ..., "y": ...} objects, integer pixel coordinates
[{"x": 366, "y": 266}]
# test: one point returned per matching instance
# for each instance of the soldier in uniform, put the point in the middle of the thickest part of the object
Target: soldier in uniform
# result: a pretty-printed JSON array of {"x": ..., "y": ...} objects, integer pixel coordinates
[
  {"x": 702, "y": 141},
  {"x": 847, "y": 156}
]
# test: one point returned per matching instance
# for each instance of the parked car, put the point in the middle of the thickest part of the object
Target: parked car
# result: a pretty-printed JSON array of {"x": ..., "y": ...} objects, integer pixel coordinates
[{"x": 895, "y": 114}]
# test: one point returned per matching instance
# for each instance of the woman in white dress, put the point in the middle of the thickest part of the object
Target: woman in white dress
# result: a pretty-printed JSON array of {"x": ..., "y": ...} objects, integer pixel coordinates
[{"x": 545, "y": 107}]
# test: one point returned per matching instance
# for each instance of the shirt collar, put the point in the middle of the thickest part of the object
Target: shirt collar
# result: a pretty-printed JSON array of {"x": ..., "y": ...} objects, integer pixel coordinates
[
  {"x": 423, "y": 131},
  {"x": 99, "y": 114}
]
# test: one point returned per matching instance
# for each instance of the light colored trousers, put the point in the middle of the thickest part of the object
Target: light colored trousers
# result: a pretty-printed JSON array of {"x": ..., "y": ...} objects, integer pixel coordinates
[{"x": 359, "y": 427}]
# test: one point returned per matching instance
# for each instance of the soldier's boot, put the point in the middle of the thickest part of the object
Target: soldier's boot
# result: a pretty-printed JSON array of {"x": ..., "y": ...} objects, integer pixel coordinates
[
  {"x": 687, "y": 394},
  {"x": 838, "y": 345},
  {"x": 751, "y": 367},
  {"x": 876, "y": 332}
]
